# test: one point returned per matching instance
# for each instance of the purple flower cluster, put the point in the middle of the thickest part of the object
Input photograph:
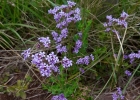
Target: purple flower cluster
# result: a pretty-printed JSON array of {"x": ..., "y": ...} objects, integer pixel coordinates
[
  {"x": 85, "y": 60},
  {"x": 37, "y": 58},
  {"x": 59, "y": 97},
  {"x": 65, "y": 14},
  {"x": 47, "y": 63},
  {"x": 77, "y": 46},
  {"x": 45, "y": 41},
  {"x": 61, "y": 49},
  {"x": 52, "y": 58},
  {"x": 58, "y": 38},
  {"x": 66, "y": 62},
  {"x": 118, "y": 94},
  {"x": 81, "y": 70},
  {"x": 26, "y": 53},
  {"x": 128, "y": 73},
  {"x": 119, "y": 21},
  {"x": 134, "y": 56}
]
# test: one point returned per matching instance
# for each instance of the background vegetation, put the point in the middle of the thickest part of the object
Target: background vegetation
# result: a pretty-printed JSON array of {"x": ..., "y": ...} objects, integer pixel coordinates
[{"x": 23, "y": 21}]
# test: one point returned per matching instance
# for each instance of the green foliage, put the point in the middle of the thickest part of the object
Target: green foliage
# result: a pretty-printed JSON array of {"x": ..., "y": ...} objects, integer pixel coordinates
[
  {"x": 19, "y": 88},
  {"x": 22, "y": 21},
  {"x": 61, "y": 84}
]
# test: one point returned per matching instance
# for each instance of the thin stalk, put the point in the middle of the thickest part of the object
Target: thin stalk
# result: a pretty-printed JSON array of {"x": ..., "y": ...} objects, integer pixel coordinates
[{"x": 130, "y": 78}]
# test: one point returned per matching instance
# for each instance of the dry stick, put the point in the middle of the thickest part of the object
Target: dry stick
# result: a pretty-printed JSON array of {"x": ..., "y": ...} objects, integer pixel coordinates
[{"x": 35, "y": 96}]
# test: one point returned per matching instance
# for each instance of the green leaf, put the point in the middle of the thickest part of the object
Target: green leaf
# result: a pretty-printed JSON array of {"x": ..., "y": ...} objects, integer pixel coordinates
[
  {"x": 16, "y": 34},
  {"x": 22, "y": 94}
]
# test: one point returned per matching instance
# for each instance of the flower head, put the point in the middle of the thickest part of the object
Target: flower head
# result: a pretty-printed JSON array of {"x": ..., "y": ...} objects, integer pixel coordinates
[
  {"x": 38, "y": 58},
  {"x": 118, "y": 94},
  {"x": 128, "y": 73},
  {"x": 85, "y": 60},
  {"x": 26, "y": 53},
  {"x": 59, "y": 97},
  {"x": 45, "y": 41},
  {"x": 66, "y": 62},
  {"x": 77, "y": 46},
  {"x": 52, "y": 58},
  {"x": 61, "y": 49}
]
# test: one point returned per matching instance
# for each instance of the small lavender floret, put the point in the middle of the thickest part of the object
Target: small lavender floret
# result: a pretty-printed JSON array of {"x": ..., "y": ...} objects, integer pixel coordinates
[
  {"x": 85, "y": 60},
  {"x": 128, "y": 73},
  {"x": 55, "y": 68},
  {"x": 80, "y": 34},
  {"x": 45, "y": 41},
  {"x": 134, "y": 56},
  {"x": 37, "y": 58},
  {"x": 26, "y": 53},
  {"x": 45, "y": 70},
  {"x": 71, "y": 4},
  {"x": 125, "y": 56},
  {"x": 81, "y": 70},
  {"x": 115, "y": 96},
  {"x": 64, "y": 33},
  {"x": 92, "y": 57},
  {"x": 66, "y": 62},
  {"x": 61, "y": 49},
  {"x": 118, "y": 94},
  {"x": 59, "y": 97},
  {"x": 52, "y": 58},
  {"x": 109, "y": 17},
  {"x": 124, "y": 15},
  {"x": 77, "y": 46}
]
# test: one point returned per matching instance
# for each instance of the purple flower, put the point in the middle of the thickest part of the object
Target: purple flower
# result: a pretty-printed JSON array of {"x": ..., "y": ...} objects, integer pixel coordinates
[
  {"x": 105, "y": 24},
  {"x": 61, "y": 49},
  {"x": 66, "y": 62},
  {"x": 55, "y": 68},
  {"x": 118, "y": 94},
  {"x": 71, "y": 4},
  {"x": 45, "y": 70},
  {"x": 81, "y": 70},
  {"x": 26, "y": 53},
  {"x": 64, "y": 33},
  {"x": 59, "y": 97},
  {"x": 133, "y": 56},
  {"x": 125, "y": 56},
  {"x": 124, "y": 15},
  {"x": 45, "y": 41},
  {"x": 109, "y": 17},
  {"x": 80, "y": 34},
  {"x": 115, "y": 96},
  {"x": 77, "y": 46},
  {"x": 107, "y": 29},
  {"x": 37, "y": 58},
  {"x": 85, "y": 60},
  {"x": 52, "y": 58},
  {"x": 92, "y": 57},
  {"x": 62, "y": 17},
  {"x": 128, "y": 73},
  {"x": 55, "y": 35}
]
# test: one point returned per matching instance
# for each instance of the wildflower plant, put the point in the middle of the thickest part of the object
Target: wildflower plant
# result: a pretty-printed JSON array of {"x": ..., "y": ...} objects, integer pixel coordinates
[
  {"x": 55, "y": 64},
  {"x": 62, "y": 55}
]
